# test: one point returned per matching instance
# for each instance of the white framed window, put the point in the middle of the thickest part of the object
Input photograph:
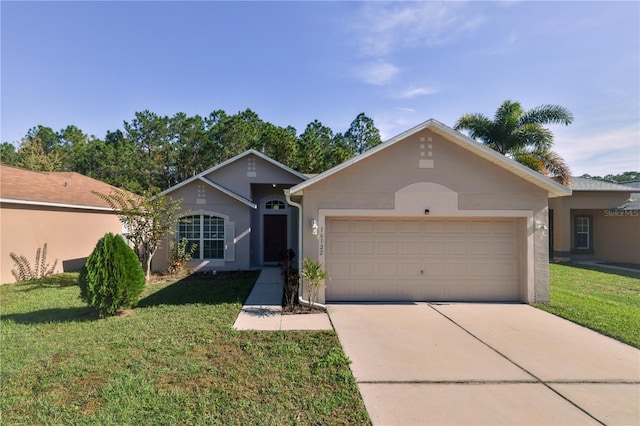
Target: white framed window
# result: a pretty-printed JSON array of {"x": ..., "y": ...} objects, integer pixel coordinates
[
  {"x": 206, "y": 233},
  {"x": 583, "y": 232}
]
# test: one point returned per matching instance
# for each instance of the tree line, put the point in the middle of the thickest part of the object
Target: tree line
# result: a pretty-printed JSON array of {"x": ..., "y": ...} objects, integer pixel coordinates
[{"x": 154, "y": 152}]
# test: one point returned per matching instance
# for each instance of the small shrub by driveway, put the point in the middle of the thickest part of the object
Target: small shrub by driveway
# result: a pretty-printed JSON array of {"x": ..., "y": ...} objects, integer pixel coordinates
[
  {"x": 176, "y": 359},
  {"x": 603, "y": 299}
]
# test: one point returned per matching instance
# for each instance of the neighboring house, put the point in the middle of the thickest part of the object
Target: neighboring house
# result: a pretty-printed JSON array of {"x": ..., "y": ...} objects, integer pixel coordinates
[
  {"x": 56, "y": 208},
  {"x": 236, "y": 214},
  {"x": 600, "y": 221},
  {"x": 429, "y": 215}
]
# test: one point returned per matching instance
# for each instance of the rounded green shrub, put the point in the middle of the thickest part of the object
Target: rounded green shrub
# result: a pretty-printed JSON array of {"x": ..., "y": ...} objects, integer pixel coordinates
[{"x": 112, "y": 277}]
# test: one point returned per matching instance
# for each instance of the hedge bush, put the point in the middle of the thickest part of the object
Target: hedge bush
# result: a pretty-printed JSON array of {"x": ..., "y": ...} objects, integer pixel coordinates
[{"x": 112, "y": 277}]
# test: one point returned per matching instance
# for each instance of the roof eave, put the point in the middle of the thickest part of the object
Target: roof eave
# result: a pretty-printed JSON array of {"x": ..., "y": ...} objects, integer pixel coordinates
[{"x": 52, "y": 204}]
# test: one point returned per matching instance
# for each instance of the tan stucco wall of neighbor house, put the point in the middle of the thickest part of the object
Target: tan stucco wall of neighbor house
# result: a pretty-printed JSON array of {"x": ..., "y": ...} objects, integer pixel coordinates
[
  {"x": 70, "y": 235},
  {"x": 426, "y": 171},
  {"x": 616, "y": 233}
]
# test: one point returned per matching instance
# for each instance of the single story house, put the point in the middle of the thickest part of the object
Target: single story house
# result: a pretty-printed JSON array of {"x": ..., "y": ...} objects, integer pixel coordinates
[
  {"x": 56, "y": 208},
  {"x": 600, "y": 221},
  {"x": 428, "y": 215},
  {"x": 236, "y": 214}
]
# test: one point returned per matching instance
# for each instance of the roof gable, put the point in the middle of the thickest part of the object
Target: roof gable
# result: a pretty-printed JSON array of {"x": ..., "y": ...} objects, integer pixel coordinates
[
  {"x": 553, "y": 188},
  {"x": 232, "y": 161},
  {"x": 61, "y": 189}
]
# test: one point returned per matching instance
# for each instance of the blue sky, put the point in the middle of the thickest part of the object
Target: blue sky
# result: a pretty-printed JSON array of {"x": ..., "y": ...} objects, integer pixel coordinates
[{"x": 94, "y": 64}]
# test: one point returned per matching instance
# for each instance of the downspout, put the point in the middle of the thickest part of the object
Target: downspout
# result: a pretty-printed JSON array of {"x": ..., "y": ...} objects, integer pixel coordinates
[{"x": 287, "y": 195}]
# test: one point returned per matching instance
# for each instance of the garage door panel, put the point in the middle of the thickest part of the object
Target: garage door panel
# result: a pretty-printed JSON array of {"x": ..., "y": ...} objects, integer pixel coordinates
[
  {"x": 433, "y": 247},
  {"x": 410, "y": 227},
  {"x": 504, "y": 227},
  {"x": 337, "y": 226},
  {"x": 363, "y": 269},
  {"x": 387, "y": 269},
  {"x": 434, "y": 269},
  {"x": 387, "y": 226},
  {"x": 364, "y": 226},
  {"x": 433, "y": 227},
  {"x": 339, "y": 247},
  {"x": 409, "y": 248},
  {"x": 481, "y": 227},
  {"x": 457, "y": 227},
  {"x": 457, "y": 248},
  {"x": 410, "y": 269},
  {"x": 480, "y": 269},
  {"x": 363, "y": 248},
  {"x": 422, "y": 259},
  {"x": 338, "y": 270},
  {"x": 457, "y": 269},
  {"x": 389, "y": 248}
]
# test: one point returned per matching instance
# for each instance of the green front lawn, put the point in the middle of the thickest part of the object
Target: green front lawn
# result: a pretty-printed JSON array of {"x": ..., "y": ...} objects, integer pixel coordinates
[
  {"x": 175, "y": 360},
  {"x": 603, "y": 299}
]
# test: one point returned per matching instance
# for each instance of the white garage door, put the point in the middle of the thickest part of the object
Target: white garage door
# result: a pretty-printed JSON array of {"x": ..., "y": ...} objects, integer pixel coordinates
[{"x": 380, "y": 259}]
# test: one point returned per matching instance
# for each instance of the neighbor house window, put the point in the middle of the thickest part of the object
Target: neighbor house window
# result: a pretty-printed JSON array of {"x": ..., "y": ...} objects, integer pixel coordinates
[
  {"x": 275, "y": 205},
  {"x": 206, "y": 233},
  {"x": 583, "y": 233}
]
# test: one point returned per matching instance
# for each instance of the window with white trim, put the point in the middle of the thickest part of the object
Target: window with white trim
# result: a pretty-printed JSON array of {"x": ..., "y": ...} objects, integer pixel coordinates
[
  {"x": 583, "y": 232},
  {"x": 206, "y": 233}
]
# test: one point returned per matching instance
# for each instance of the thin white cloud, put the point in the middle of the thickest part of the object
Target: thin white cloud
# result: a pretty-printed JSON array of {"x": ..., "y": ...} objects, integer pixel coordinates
[
  {"x": 382, "y": 28},
  {"x": 404, "y": 109},
  {"x": 415, "y": 91},
  {"x": 378, "y": 73}
]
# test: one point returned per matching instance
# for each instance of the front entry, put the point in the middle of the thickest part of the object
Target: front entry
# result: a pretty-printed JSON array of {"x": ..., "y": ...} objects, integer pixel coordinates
[{"x": 275, "y": 236}]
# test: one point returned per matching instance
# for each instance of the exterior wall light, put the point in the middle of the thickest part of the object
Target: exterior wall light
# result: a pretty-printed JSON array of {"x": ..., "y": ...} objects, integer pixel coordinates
[
  {"x": 426, "y": 212},
  {"x": 314, "y": 227}
]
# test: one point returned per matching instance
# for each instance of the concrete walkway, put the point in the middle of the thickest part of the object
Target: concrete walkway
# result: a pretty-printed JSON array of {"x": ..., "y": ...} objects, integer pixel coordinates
[
  {"x": 263, "y": 308},
  {"x": 485, "y": 364}
]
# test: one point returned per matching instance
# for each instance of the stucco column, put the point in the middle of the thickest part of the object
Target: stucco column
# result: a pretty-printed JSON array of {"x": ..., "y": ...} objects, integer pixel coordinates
[{"x": 561, "y": 231}]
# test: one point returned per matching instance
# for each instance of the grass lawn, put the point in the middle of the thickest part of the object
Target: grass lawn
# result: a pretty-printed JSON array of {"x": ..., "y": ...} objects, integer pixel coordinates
[
  {"x": 175, "y": 360},
  {"x": 603, "y": 299}
]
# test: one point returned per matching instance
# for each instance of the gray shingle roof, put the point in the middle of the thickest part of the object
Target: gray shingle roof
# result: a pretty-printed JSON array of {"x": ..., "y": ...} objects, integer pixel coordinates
[
  {"x": 583, "y": 184},
  {"x": 632, "y": 183}
]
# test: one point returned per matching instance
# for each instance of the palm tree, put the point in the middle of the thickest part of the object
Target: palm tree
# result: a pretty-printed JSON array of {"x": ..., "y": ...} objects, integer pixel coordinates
[{"x": 521, "y": 135}]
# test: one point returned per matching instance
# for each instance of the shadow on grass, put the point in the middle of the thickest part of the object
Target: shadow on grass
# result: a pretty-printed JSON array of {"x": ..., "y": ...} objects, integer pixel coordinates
[
  {"x": 53, "y": 281},
  {"x": 230, "y": 288},
  {"x": 604, "y": 268},
  {"x": 53, "y": 315}
]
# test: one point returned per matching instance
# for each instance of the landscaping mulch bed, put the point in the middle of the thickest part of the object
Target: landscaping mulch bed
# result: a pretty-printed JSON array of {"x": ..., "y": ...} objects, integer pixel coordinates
[{"x": 300, "y": 310}]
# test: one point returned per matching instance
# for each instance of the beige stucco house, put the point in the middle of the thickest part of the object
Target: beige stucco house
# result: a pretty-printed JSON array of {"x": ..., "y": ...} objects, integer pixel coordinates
[
  {"x": 600, "y": 221},
  {"x": 429, "y": 215},
  {"x": 58, "y": 209},
  {"x": 236, "y": 214}
]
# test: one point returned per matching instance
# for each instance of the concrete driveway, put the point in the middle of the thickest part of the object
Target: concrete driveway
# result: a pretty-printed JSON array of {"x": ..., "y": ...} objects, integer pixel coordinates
[{"x": 485, "y": 364}]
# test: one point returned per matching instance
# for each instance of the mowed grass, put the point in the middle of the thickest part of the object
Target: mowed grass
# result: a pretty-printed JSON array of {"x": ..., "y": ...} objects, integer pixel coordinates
[
  {"x": 175, "y": 360},
  {"x": 602, "y": 299}
]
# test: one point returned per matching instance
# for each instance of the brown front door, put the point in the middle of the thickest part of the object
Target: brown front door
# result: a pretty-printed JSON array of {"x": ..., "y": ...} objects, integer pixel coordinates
[{"x": 275, "y": 236}]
